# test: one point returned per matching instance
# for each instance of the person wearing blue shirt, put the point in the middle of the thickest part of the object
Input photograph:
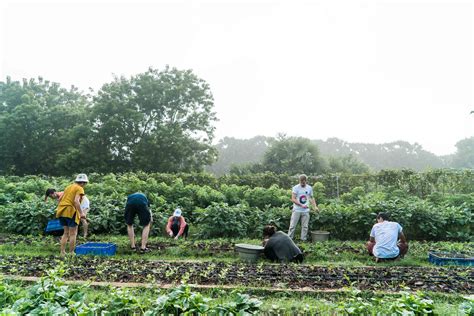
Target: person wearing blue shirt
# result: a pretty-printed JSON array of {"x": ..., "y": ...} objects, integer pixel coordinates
[
  {"x": 387, "y": 241},
  {"x": 301, "y": 196},
  {"x": 138, "y": 204}
]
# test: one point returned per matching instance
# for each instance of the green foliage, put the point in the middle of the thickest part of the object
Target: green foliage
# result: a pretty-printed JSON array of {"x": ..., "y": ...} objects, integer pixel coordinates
[
  {"x": 51, "y": 296},
  {"x": 244, "y": 209},
  {"x": 467, "y": 308},
  {"x": 412, "y": 304},
  {"x": 293, "y": 155},
  {"x": 464, "y": 156}
]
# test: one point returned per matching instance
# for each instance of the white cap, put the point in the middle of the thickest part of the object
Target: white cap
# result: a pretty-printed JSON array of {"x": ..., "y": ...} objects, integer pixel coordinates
[
  {"x": 177, "y": 212},
  {"x": 81, "y": 177}
]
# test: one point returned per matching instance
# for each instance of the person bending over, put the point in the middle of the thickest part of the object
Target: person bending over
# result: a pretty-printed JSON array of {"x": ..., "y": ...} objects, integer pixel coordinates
[{"x": 278, "y": 246}]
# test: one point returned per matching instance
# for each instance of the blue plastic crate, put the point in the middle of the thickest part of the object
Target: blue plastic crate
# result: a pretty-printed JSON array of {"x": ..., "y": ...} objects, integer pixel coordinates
[
  {"x": 445, "y": 258},
  {"x": 54, "y": 227},
  {"x": 96, "y": 248}
]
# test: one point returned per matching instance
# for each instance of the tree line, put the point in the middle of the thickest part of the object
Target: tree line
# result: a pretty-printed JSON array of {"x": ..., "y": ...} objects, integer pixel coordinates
[
  {"x": 261, "y": 153},
  {"x": 156, "y": 121},
  {"x": 162, "y": 121}
]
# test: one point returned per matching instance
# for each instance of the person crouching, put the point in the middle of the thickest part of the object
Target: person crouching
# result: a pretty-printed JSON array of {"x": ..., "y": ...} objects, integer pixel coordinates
[
  {"x": 177, "y": 225},
  {"x": 278, "y": 246}
]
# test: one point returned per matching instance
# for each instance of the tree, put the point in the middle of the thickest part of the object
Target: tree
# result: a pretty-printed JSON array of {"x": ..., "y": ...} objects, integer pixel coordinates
[
  {"x": 239, "y": 153},
  {"x": 293, "y": 155},
  {"x": 347, "y": 164},
  {"x": 155, "y": 121},
  {"x": 464, "y": 156},
  {"x": 36, "y": 117}
]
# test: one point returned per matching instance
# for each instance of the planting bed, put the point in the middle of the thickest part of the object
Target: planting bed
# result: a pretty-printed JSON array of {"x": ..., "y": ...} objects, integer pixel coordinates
[{"x": 385, "y": 278}]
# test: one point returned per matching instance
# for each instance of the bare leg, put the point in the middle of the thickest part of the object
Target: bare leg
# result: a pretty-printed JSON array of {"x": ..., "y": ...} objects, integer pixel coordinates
[
  {"x": 85, "y": 226},
  {"x": 145, "y": 232},
  {"x": 131, "y": 235},
  {"x": 63, "y": 241},
  {"x": 72, "y": 238}
]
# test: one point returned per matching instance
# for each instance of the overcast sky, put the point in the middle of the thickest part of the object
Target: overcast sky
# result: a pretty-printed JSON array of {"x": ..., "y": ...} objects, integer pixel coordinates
[{"x": 362, "y": 71}]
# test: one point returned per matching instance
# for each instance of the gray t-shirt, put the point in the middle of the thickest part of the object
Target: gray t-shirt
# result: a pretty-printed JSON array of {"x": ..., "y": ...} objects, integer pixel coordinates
[
  {"x": 281, "y": 246},
  {"x": 303, "y": 195},
  {"x": 386, "y": 238}
]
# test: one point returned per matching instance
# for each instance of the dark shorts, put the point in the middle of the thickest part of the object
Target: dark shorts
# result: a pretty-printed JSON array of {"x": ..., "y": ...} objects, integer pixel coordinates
[
  {"x": 68, "y": 222},
  {"x": 144, "y": 214}
]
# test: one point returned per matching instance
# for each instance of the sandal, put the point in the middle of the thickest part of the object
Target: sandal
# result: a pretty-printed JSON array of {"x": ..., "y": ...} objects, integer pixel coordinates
[{"x": 145, "y": 250}]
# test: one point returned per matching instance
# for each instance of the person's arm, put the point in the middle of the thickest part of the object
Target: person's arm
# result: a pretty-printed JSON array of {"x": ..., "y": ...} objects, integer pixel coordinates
[
  {"x": 168, "y": 227},
  {"x": 401, "y": 237},
  {"x": 313, "y": 203},
  {"x": 372, "y": 235},
  {"x": 77, "y": 205}
]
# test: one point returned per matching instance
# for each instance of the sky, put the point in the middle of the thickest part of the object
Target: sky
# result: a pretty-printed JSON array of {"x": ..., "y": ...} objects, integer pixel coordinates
[{"x": 361, "y": 71}]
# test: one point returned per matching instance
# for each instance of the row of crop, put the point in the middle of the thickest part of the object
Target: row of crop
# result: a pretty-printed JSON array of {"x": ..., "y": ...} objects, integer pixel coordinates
[
  {"x": 437, "y": 218},
  {"x": 413, "y": 183},
  {"x": 51, "y": 296}
]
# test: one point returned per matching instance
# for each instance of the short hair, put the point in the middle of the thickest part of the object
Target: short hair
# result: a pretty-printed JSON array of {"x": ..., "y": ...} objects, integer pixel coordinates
[
  {"x": 384, "y": 216},
  {"x": 49, "y": 192},
  {"x": 303, "y": 177},
  {"x": 269, "y": 230}
]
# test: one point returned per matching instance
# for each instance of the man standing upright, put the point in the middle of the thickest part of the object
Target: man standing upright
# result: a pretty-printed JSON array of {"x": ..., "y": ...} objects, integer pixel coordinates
[{"x": 301, "y": 196}]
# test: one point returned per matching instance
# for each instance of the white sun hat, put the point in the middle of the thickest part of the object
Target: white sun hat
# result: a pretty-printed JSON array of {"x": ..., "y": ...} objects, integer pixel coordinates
[{"x": 81, "y": 177}]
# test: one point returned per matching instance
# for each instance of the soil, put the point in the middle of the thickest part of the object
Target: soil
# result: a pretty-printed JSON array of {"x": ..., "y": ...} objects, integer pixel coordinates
[{"x": 450, "y": 280}]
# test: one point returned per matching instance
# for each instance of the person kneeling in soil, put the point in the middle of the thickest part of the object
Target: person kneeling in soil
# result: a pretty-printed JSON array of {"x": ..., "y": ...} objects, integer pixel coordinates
[
  {"x": 137, "y": 204},
  {"x": 278, "y": 246},
  {"x": 177, "y": 225},
  {"x": 387, "y": 241},
  {"x": 70, "y": 213}
]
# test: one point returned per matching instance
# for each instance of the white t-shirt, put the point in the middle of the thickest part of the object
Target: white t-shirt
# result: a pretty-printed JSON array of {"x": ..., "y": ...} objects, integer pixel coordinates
[
  {"x": 85, "y": 203},
  {"x": 303, "y": 195},
  {"x": 386, "y": 238}
]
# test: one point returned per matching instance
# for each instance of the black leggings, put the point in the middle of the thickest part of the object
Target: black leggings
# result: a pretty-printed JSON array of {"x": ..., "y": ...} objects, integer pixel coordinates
[{"x": 175, "y": 228}]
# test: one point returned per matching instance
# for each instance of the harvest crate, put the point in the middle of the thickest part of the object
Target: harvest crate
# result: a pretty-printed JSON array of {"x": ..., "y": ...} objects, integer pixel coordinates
[
  {"x": 54, "y": 227},
  {"x": 444, "y": 258},
  {"x": 96, "y": 248}
]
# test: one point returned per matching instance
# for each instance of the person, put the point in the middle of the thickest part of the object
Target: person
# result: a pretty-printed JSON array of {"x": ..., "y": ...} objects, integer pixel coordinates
[
  {"x": 69, "y": 212},
  {"x": 138, "y": 204},
  {"x": 278, "y": 246},
  {"x": 53, "y": 194},
  {"x": 177, "y": 225},
  {"x": 85, "y": 207},
  {"x": 301, "y": 196},
  {"x": 387, "y": 241}
]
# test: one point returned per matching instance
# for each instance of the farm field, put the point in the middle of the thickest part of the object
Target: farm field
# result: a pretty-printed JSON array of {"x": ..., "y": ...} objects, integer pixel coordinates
[
  {"x": 204, "y": 275},
  {"x": 336, "y": 276}
]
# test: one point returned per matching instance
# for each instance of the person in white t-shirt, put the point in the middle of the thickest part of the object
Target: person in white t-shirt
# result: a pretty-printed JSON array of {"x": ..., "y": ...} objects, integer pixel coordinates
[
  {"x": 85, "y": 207},
  {"x": 387, "y": 241},
  {"x": 301, "y": 196}
]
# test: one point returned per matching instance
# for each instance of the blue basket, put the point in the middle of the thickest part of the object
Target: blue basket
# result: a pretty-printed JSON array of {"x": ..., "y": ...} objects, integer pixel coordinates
[
  {"x": 445, "y": 258},
  {"x": 54, "y": 227},
  {"x": 96, "y": 248}
]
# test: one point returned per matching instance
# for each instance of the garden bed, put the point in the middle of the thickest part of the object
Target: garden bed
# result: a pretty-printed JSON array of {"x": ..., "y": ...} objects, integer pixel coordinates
[{"x": 389, "y": 278}]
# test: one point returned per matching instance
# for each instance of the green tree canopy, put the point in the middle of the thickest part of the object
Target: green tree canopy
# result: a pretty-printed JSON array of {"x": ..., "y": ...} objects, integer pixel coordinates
[
  {"x": 464, "y": 156},
  {"x": 155, "y": 121},
  {"x": 37, "y": 119},
  {"x": 293, "y": 155}
]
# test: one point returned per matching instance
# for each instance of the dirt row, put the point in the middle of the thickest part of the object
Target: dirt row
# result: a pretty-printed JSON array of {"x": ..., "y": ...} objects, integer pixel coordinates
[{"x": 387, "y": 278}]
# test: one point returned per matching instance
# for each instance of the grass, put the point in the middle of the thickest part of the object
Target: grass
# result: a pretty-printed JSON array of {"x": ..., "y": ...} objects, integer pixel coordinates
[{"x": 333, "y": 252}]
